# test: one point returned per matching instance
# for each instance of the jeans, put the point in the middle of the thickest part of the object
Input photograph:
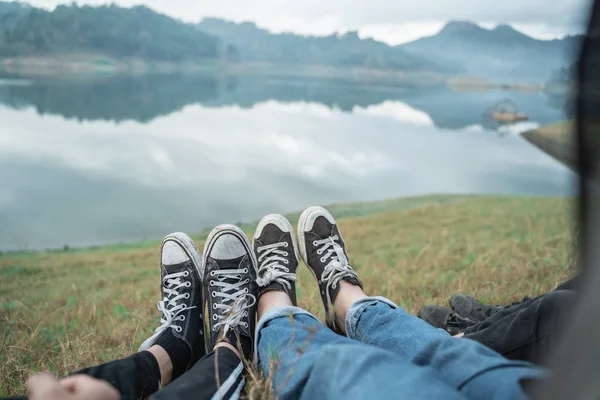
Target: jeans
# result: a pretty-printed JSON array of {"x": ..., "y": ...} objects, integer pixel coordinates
[
  {"x": 387, "y": 354},
  {"x": 526, "y": 331}
]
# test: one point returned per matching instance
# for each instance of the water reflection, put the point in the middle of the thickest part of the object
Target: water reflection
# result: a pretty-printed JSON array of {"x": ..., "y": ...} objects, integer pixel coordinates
[
  {"x": 143, "y": 98},
  {"x": 121, "y": 160}
]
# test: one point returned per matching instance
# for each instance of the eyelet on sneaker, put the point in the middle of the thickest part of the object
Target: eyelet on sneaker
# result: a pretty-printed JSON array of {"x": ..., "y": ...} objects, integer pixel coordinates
[
  {"x": 178, "y": 329},
  {"x": 186, "y": 273},
  {"x": 245, "y": 270},
  {"x": 322, "y": 259},
  {"x": 285, "y": 253},
  {"x": 286, "y": 262},
  {"x": 214, "y": 306},
  {"x": 214, "y": 317},
  {"x": 286, "y": 269},
  {"x": 286, "y": 244},
  {"x": 212, "y": 273},
  {"x": 334, "y": 286},
  {"x": 319, "y": 252},
  {"x": 188, "y": 284},
  {"x": 245, "y": 290},
  {"x": 247, "y": 281},
  {"x": 182, "y": 317},
  {"x": 214, "y": 294},
  {"x": 187, "y": 295},
  {"x": 315, "y": 243},
  {"x": 211, "y": 283}
]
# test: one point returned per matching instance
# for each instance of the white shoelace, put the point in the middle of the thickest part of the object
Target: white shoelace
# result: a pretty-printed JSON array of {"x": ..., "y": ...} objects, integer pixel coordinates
[
  {"x": 338, "y": 266},
  {"x": 235, "y": 300},
  {"x": 272, "y": 265},
  {"x": 169, "y": 306}
]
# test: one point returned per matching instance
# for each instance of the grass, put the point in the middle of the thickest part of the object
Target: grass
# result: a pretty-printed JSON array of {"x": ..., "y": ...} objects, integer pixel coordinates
[{"x": 61, "y": 311}]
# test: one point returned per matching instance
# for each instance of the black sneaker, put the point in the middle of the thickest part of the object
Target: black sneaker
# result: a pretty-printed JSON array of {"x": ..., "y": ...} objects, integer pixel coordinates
[
  {"x": 469, "y": 307},
  {"x": 230, "y": 287},
  {"x": 443, "y": 318},
  {"x": 181, "y": 304},
  {"x": 472, "y": 308},
  {"x": 324, "y": 252},
  {"x": 277, "y": 255}
]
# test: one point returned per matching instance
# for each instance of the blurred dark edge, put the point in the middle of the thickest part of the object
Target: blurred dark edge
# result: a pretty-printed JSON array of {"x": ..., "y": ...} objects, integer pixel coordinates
[{"x": 576, "y": 362}]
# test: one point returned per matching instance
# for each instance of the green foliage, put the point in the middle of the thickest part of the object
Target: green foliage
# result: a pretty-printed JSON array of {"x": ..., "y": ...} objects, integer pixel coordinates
[
  {"x": 111, "y": 30},
  {"x": 348, "y": 50}
]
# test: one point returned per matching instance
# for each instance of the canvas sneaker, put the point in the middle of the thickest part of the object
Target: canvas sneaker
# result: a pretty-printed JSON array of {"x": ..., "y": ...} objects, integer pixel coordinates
[
  {"x": 230, "y": 287},
  {"x": 324, "y": 252},
  {"x": 443, "y": 318},
  {"x": 181, "y": 305},
  {"x": 276, "y": 251}
]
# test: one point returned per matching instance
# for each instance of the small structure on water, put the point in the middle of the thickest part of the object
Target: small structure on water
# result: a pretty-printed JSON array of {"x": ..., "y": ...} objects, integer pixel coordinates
[{"x": 506, "y": 112}]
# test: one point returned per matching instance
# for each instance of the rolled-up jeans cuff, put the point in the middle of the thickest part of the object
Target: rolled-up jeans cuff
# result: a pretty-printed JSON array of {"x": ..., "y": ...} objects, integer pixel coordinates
[
  {"x": 356, "y": 310},
  {"x": 276, "y": 312}
]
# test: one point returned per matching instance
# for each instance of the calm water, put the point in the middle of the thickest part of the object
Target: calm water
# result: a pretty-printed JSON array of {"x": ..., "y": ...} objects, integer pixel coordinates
[{"x": 120, "y": 159}]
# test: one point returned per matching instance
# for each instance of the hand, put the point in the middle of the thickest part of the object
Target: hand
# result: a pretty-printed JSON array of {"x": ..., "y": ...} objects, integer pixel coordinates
[{"x": 46, "y": 386}]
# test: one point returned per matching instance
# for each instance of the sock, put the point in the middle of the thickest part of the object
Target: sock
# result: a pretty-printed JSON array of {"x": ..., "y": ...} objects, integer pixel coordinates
[{"x": 178, "y": 351}]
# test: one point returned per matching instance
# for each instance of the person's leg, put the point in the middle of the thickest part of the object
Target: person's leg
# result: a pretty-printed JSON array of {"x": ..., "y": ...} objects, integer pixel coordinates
[
  {"x": 229, "y": 276},
  {"x": 466, "y": 365},
  {"x": 528, "y": 333},
  {"x": 304, "y": 359},
  {"x": 178, "y": 342}
]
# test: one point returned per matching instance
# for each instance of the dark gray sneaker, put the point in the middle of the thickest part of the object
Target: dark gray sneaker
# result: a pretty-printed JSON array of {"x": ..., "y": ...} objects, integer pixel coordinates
[
  {"x": 277, "y": 255},
  {"x": 230, "y": 286},
  {"x": 443, "y": 318},
  {"x": 324, "y": 252},
  {"x": 471, "y": 308},
  {"x": 181, "y": 304}
]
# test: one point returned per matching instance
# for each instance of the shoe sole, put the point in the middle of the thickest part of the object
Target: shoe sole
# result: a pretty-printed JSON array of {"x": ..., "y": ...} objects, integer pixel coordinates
[
  {"x": 227, "y": 229},
  {"x": 267, "y": 219},
  {"x": 189, "y": 247}
]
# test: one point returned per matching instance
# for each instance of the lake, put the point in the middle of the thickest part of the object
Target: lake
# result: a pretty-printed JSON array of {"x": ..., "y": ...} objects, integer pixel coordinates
[{"x": 117, "y": 159}]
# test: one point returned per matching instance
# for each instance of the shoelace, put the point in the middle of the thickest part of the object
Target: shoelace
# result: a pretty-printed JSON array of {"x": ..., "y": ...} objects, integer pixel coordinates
[
  {"x": 169, "y": 306},
  {"x": 337, "y": 268},
  {"x": 458, "y": 321},
  {"x": 235, "y": 300},
  {"x": 272, "y": 267}
]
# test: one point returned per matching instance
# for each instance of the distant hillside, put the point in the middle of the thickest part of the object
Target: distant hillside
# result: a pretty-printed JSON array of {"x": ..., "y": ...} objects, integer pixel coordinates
[
  {"x": 502, "y": 52},
  {"x": 110, "y": 30},
  {"x": 259, "y": 45}
]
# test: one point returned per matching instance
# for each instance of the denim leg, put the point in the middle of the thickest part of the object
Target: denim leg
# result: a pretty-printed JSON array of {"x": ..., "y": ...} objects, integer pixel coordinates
[
  {"x": 305, "y": 359},
  {"x": 470, "y": 367}
]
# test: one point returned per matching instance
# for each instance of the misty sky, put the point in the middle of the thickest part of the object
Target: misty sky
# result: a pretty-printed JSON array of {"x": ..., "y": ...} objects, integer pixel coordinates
[{"x": 393, "y": 21}]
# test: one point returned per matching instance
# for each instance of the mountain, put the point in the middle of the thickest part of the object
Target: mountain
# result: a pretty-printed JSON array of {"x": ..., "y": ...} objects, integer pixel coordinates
[
  {"x": 110, "y": 30},
  {"x": 499, "y": 53},
  {"x": 348, "y": 50}
]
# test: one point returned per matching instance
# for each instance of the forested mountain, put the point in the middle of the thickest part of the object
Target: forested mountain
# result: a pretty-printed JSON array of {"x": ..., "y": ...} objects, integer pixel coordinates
[
  {"x": 348, "y": 50},
  {"x": 110, "y": 30},
  {"x": 502, "y": 52}
]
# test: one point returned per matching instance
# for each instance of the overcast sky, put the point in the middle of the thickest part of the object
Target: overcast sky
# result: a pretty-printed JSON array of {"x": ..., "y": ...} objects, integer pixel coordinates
[{"x": 393, "y": 21}]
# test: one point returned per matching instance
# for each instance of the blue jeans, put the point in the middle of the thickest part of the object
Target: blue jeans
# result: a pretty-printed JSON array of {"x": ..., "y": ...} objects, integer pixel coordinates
[{"x": 400, "y": 356}]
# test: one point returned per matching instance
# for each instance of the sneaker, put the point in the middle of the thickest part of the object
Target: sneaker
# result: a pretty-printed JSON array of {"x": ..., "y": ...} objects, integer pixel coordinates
[
  {"x": 443, "y": 318},
  {"x": 181, "y": 304},
  {"x": 230, "y": 286},
  {"x": 471, "y": 308},
  {"x": 324, "y": 252},
  {"x": 276, "y": 251}
]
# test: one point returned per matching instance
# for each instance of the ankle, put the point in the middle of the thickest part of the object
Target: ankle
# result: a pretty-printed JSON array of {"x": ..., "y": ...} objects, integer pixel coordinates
[
  {"x": 347, "y": 295},
  {"x": 164, "y": 363},
  {"x": 226, "y": 345},
  {"x": 272, "y": 299}
]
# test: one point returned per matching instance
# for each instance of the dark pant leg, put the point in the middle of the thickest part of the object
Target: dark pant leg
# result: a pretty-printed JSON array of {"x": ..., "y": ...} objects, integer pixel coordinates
[
  {"x": 220, "y": 374},
  {"x": 528, "y": 331},
  {"x": 134, "y": 377},
  {"x": 571, "y": 284}
]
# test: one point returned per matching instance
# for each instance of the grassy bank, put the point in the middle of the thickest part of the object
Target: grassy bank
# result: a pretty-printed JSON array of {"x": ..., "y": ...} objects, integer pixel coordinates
[
  {"x": 61, "y": 311},
  {"x": 557, "y": 140}
]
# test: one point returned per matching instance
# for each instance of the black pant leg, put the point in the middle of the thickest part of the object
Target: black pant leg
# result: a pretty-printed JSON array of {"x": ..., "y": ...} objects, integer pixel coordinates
[
  {"x": 220, "y": 374},
  {"x": 134, "y": 377},
  {"x": 525, "y": 332}
]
